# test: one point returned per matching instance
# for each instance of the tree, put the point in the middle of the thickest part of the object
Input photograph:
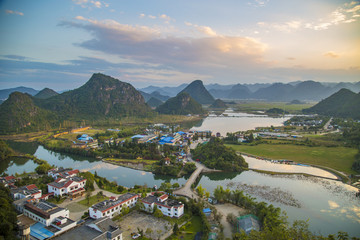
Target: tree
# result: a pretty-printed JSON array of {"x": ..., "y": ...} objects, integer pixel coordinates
[
  {"x": 200, "y": 190},
  {"x": 43, "y": 168},
  {"x": 87, "y": 197},
  {"x": 8, "y": 214},
  {"x": 176, "y": 229}
]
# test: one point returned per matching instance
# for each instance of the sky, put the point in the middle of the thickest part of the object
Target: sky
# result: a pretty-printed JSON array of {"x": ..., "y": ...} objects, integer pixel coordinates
[{"x": 60, "y": 44}]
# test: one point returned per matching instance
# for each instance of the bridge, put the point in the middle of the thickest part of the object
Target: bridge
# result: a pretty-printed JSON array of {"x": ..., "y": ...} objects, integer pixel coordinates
[{"x": 186, "y": 189}]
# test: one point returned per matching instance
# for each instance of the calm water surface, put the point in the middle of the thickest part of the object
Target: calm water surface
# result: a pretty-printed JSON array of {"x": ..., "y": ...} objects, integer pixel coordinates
[
  {"x": 284, "y": 168},
  {"x": 330, "y": 206},
  {"x": 234, "y": 122}
]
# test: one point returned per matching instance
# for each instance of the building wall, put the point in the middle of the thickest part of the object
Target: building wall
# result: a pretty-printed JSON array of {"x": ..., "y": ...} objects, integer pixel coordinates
[
  {"x": 96, "y": 214},
  {"x": 62, "y": 191},
  {"x": 47, "y": 222}
]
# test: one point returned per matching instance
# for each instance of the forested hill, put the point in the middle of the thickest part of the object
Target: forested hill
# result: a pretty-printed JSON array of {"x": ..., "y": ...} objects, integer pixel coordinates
[
  {"x": 102, "y": 96},
  {"x": 198, "y": 92},
  {"x": 218, "y": 104},
  {"x": 182, "y": 104},
  {"x": 19, "y": 114},
  {"x": 343, "y": 103},
  {"x": 46, "y": 93}
]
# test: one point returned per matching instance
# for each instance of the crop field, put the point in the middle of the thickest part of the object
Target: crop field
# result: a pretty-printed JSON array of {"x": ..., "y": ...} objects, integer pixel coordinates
[
  {"x": 338, "y": 158},
  {"x": 263, "y": 106}
]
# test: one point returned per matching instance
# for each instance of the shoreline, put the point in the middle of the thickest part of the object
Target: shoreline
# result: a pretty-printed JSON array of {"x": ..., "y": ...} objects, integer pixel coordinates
[{"x": 340, "y": 175}]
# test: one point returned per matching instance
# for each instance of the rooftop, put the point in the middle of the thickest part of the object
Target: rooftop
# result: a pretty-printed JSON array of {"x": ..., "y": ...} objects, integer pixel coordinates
[
  {"x": 167, "y": 203},
  {"x": 61, "y": 183},
  {"x": 108, "y": 230},
  {"x": 106, "y": 204},
  {"x": 43, "y": 209}
]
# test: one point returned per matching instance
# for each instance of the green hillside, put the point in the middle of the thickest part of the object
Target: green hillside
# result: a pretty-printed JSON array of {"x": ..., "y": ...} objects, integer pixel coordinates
[
  {"x": 182, "y": 104},
  {"x": 19, "y": 114},
  {"x": 46, "y": 93},
  {"x": 343, "y": 103},
  {"x": 218, "y": 104},
  {"x": 154, "y": 102},
  {"x": 102, "y": 96}
]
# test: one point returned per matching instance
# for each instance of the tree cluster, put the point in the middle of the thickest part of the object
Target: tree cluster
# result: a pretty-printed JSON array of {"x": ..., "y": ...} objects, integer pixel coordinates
[
  {"x": 8, "y": 226},
  {"x": 215, "y": 154}
]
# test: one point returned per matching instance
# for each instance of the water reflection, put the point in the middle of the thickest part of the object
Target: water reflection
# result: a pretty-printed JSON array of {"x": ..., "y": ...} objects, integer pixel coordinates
[
  {"x": 259, "y": 164},
  {"x": 238, "y": 122},
  {"x": 330, "y": 206}
]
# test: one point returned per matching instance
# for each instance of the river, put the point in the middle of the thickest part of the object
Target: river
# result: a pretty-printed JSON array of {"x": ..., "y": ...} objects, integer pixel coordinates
[{"x": 329, "y": 205}]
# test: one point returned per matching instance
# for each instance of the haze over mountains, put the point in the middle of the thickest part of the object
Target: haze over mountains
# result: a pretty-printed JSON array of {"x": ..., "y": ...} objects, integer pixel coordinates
[{"x": 306, "y": 91}]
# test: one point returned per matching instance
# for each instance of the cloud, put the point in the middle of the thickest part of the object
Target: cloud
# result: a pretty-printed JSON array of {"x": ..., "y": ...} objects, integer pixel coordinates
[
  {"x": 348, "y": 13},
  {"x": 202, "y": 29},
  {"x": 14, "y": 12},
  {"x": 141, "y": 43},
  {"x": 331, "y": 54},
  {"x": 90, "y": 4},
  {"x": 164, "y": 17},
  {"x": 289, "y": 26},
  {"x": 258, "y": 3},
  {"x": 15, "y": 57}
]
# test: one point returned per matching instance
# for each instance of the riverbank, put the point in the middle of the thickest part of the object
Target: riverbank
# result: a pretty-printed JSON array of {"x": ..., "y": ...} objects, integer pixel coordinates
[
  {"x": 339, "y": 175},
  {"x": 142, "y": 165},
  {"x": 338, "y": 159}
]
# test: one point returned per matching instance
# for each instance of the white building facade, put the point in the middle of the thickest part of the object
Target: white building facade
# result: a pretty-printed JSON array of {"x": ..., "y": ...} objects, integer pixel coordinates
[
  {"x": 66, "y": 186},
  {"x": 112, "y": 207},
  {"x": 168, "y": 207}
]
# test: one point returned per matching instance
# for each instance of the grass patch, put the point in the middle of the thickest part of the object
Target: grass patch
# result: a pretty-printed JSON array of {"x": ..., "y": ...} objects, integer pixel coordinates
[
  {"x": 93, "y": 199},
  {"x": 189, "y": 230},
  {"x": 338, "y": 158},
  {"x": 263, "y": 106}
]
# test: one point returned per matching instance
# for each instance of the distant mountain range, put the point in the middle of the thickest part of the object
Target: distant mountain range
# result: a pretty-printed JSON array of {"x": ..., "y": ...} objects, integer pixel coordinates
[
  {"x": 300, "y": 90},
  {"x": 343, "y": 103},
  {"x": 4, "y": 93}
]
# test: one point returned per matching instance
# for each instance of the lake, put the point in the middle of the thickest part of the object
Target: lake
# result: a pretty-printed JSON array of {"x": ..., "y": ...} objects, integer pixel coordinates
[{"x": 234, "y": 121}]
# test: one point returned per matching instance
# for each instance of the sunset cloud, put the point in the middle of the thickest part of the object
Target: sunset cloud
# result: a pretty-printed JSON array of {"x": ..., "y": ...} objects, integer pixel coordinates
[
  {"x": 331, "y": 54},
  {"x": 148, "y": 44}
]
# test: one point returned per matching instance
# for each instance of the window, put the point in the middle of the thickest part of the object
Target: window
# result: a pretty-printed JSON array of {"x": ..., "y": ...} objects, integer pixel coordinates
[
  {"x": 159, "y": 206},
  {"x": 169, "y": 214},
  {"x": 168, "y": 209},
  {"x": 103, "y": 214}
]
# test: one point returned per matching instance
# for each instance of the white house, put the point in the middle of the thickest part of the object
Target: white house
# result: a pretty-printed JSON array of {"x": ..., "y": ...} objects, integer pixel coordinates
[
  {"x": 62, "y": 173},
  {"x": 169, "y": 207},
  {"x": 113, "y": 206},
  {"x": 44, "y": 212},
  {"x": 71, "y": 186},
  {"x": 29, "y": 191}
]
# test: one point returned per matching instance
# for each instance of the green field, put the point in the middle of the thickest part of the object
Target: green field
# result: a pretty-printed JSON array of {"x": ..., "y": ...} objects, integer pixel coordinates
[
  {"x": 338, "y": 158},
  {"x": 93, "y": 199},
  {"x": 191, "y": 228},
  {"x": 263, "y": 106}
]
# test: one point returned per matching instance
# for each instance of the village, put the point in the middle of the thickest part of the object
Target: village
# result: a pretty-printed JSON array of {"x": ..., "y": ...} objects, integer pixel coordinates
[{"x": 55, "y": 212}]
